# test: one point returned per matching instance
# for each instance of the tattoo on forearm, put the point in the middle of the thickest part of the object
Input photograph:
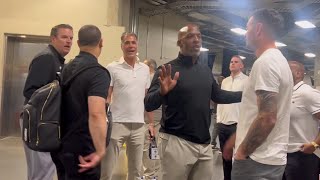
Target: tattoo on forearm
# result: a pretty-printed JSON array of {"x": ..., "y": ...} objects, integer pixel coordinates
[{"x": 263, "y": 124}]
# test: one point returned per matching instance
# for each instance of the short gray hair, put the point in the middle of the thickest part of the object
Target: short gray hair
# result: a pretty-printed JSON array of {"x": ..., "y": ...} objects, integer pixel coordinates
[{"x": 126, "y": 34}]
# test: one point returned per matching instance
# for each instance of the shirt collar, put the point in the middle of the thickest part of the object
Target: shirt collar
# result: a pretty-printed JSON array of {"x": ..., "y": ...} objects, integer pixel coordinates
[
  {"x": 238, "y": 75},
  {"x": 122, "y": 61},
  {"x": 295, "y": 87},
  {"x": 186, "y": 60},
  {"x": 88, "y": 55},
  {"x": 53, "y": 49}
]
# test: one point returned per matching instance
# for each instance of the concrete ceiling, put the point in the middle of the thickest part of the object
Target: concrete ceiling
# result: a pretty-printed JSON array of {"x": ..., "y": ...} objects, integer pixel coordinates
[{"x": 217, "y": 17}]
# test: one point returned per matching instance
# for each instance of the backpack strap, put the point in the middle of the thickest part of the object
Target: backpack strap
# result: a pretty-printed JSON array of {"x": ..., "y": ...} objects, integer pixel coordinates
[
  {"x": 71, "y": 78},
  {"x": 67, "y": 83}
]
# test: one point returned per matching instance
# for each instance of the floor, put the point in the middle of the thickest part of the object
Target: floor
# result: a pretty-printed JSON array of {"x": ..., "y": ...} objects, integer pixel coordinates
[{"x": 13, "y": 164}]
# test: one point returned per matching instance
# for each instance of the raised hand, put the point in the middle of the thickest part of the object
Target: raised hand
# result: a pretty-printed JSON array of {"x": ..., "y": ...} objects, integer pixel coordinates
[{"x": 166, "y": 82}]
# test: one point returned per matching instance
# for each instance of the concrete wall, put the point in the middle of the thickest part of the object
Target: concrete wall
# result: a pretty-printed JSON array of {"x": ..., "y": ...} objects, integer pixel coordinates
[{"x": 158, "y": 37}]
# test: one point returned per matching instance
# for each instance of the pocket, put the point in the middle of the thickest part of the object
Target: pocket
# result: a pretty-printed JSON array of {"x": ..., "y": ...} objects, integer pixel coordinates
[
  {"x": 70, "y": 161},
  {"x": 162, "y": 143},
  {"x": 242, "y": 160},
  {"x": 29, "y": 125},
  {"x": 26, "y": 127},
  {"x": 49, "y": 136}
]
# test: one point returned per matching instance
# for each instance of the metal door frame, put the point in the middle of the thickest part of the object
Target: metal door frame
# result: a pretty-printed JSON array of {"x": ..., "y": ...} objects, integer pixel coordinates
[{"x": 23, "y": 38}]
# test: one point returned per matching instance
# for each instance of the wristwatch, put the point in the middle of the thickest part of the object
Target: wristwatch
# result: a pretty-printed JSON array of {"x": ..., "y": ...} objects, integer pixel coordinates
[{"x": 315, "y": 145}]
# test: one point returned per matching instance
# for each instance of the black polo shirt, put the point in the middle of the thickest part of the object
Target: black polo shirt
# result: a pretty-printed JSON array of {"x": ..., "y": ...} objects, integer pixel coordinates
[
  {"x": 186, "y": 108},
  {"x": 43, "y": 69},
  {"x": 75, "y": 114}
]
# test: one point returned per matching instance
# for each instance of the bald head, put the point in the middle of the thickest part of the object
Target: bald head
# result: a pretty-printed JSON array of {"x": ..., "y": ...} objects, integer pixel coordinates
[
  {"x": 297, "y": 70},
  {"x": 189, "y": 40},
  {"x": 184, "y": 31}
]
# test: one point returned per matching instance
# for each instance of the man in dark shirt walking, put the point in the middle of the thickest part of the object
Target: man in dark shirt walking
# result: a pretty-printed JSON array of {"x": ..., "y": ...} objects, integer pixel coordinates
[
  {"x": 44, "y": 68},
  {"x": 83, "y": 124},
  {"x": 184, "y": 88}
]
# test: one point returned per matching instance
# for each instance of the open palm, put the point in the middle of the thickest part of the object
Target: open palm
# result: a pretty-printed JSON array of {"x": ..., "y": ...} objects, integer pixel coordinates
[{"x": 166, "y": 81}]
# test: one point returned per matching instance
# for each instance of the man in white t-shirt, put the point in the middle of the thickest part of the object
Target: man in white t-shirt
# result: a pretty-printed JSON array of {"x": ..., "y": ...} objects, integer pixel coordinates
[
  {"x": 304, "y": 136},
  {"x": 130, "y": 79},
  {"x": 228, "y": 114},
  {"x": 263, "y": 127}
]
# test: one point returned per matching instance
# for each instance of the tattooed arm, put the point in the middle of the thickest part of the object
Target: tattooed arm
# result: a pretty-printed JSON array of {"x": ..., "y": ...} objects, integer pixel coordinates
[{"x": 262, "y": 125}]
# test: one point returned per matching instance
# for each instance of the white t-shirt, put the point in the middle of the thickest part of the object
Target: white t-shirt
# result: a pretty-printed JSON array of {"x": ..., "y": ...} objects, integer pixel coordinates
[
  {"x": 129, "y": 87},
  {"x": 229, "y": 113},
  {"x": 270, "y": 72},
  {"x": 303, "y": 126}
]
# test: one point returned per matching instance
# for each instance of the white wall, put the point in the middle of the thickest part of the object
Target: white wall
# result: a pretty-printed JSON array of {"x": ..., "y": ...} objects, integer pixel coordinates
[{"x": 37, "y": 17}]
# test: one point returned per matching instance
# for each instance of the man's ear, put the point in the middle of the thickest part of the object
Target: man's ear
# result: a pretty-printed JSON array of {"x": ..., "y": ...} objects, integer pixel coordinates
[
  {"x": 259, "y": 27},
  {"x": 101, "y": 43},
  {"x": 241, "y": 66},
  {"x": 179, "y": 43},
  {"x": 52, "y": 38}
]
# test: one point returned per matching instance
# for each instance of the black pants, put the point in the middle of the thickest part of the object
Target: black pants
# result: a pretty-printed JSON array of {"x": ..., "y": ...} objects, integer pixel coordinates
[
  {"x": 301, "y": 166},
  {"x": 225, "y": 132},
  {"x": 67, "y": 165}
]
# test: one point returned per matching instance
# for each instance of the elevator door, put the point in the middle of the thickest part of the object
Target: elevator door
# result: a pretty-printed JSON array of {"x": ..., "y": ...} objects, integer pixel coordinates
[{"x": 19, "y": 52}]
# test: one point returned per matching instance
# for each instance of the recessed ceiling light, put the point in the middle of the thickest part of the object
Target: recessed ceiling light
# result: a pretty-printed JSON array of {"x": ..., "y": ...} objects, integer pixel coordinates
[
  {"x": 242, "y": 57},
  {"x": 305, "y": 24},
  {"x": 23, "y": 36},
  {"x": 239, "y": 31},
  {"x": 280, "y": 44},
  {"x": 310, "y": 55},
  {"x": 204, "y": 49}
]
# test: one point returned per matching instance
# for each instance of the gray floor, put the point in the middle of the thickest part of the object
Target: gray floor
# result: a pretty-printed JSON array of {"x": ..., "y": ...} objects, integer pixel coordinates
[{"x": 13, "y": 164}]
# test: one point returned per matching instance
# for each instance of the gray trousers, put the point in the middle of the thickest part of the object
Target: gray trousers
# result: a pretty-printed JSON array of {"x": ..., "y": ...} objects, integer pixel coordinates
[
  {"x": 251, "y": 170},
  {"x": 40, "y": 165}
]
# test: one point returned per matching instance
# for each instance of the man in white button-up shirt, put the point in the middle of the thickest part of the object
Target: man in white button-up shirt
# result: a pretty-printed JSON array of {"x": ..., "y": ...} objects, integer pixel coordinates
[
  {"x": 304, "y": 136},
  {"x": 130, "y": 79},
  {"x": 228, "y": 114}
]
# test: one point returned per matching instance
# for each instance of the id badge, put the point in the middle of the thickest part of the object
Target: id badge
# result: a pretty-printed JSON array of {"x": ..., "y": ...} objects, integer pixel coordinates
[{"x": 153, "y": 150}]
